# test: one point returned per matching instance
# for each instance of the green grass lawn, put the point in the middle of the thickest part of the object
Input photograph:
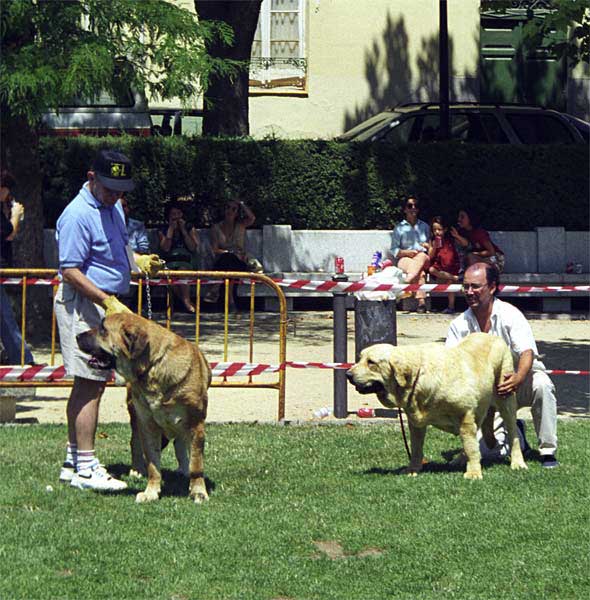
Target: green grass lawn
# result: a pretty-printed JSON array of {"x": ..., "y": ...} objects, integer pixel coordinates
[{"x": 296, "y": 512}]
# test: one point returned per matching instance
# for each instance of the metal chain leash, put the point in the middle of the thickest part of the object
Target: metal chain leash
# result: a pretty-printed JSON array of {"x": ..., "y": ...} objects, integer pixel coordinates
[{"x": 148, "y": 295}]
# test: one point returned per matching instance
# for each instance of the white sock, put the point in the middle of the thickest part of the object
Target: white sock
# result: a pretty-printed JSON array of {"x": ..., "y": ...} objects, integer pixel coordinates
[
  {"x": 72, "y": 454},
  {"x": 86, "y": 460}
]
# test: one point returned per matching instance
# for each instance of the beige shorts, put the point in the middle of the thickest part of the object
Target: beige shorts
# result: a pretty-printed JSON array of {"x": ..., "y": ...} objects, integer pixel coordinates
[{"x": 75, "y": 314}]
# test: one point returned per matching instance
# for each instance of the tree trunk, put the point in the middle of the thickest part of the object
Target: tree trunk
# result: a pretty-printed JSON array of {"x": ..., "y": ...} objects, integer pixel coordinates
[
  {"x": 226, "y": 99},
  {"x": 20, "y": 155}
]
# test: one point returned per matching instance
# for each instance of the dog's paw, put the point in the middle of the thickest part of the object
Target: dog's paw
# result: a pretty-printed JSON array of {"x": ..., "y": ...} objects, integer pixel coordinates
[
  {"x": 136, "y": 474},
  {"x": 473, "y": 475},
  {"x": 519, "y": 464},
  {"x": 147, "y": 496},
  {"x": 199, "y": 496}
]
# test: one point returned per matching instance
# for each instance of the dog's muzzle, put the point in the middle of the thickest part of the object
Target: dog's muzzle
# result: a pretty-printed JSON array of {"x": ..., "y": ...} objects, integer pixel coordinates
[
  {"x": 369, "y": 387},
  {"x": 99, "y": 358}
]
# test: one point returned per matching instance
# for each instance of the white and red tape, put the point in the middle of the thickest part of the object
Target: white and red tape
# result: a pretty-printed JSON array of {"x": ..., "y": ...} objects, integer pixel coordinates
[
  {"x": 336, "y": 286},
  {"x": 219, "y": 369}
]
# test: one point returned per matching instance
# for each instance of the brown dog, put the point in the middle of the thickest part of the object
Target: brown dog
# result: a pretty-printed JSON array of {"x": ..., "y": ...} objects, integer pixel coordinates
[
  {"x": 167, "y": 379},
  {"x": 449, "y": 388}
]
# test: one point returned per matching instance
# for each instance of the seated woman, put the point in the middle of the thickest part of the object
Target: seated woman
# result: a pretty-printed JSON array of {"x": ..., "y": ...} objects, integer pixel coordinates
[
  {"x": 410, "y": 248},
  {"x": 476, "y": 241},
  {"x": 444, "y": 258},
  {"x": 178, "y": 242},
  {"x": 228, "y": 245}
]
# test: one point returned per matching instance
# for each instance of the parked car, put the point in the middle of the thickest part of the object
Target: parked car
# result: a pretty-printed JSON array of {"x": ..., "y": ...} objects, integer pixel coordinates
[
  {"x": 124, "y": 112},
  {"x": 175, "y": 121},
  {"x": 472, "y": 123}
]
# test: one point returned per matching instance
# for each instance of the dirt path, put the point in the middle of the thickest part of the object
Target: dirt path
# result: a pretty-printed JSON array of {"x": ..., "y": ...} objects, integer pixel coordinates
[{"x": 565, "y": 344}]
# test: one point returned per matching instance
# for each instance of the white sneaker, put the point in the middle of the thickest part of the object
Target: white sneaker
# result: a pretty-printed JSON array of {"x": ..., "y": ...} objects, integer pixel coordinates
[
  {"x": 67, "y": 472},
  {"x": 97, "y": 479}
]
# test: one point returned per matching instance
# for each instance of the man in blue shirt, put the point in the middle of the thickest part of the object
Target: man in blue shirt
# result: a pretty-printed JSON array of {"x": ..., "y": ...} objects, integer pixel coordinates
[
  {"x": 410, "y": 248},
  {"x": 138, "y": 237},
  {"x": 95, "y": 268}
]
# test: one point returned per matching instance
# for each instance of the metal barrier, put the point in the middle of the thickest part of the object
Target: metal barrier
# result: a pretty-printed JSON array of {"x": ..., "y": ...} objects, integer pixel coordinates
[{"x": 27, "y": 277}]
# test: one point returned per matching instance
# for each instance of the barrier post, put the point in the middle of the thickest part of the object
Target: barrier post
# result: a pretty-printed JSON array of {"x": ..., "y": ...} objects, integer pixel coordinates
[{"x": 340, "y": 349}]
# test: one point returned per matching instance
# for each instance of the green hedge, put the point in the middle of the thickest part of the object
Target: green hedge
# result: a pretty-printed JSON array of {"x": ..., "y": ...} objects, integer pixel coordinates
[{"x": 331, "y": 185}]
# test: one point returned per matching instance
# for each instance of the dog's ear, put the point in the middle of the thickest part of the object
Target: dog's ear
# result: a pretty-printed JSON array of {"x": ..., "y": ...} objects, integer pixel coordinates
[
  {"x": 401, "y": 370},
  {"x": 135, "y": 341}
]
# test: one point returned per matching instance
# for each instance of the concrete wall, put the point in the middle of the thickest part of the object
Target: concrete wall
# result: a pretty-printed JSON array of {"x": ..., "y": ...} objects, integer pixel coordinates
[{"x": 283, "y": 250}]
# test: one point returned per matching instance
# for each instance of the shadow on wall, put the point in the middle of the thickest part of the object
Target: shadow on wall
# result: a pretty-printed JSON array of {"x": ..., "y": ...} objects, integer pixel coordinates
[{"x": 389, "y": 74}]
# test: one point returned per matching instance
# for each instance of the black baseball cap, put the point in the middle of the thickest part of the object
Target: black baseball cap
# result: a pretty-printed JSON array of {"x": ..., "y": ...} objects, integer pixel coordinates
[{"x": 113, "y": 170}]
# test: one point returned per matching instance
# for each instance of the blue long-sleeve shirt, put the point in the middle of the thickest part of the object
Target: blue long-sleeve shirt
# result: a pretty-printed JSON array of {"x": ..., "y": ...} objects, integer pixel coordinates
[{"x": 409, "y": 237}]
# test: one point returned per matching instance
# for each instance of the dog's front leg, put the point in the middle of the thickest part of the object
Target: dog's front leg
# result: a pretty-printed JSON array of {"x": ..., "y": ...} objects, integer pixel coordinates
[
  {"x": 137, "y": 461},
  {"x": 468, "y": 433},
  {"x": 197, "y": 487},
  {"x": 417, "y": 435},
  {"x": 151, "y": 440},
  {"x": 507, "y": 408}
]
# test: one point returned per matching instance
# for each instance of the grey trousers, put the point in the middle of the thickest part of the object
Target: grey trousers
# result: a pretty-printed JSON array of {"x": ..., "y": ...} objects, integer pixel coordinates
[{"x": 538, "y": 392}]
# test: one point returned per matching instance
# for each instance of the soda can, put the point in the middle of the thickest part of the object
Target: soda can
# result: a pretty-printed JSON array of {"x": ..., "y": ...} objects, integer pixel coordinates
[
  {"x": 438, "y": 241},
  {"x": 578, "y": 268},
  {"x": 366, "y": 413},
  {"x": 339, "y": 265}
]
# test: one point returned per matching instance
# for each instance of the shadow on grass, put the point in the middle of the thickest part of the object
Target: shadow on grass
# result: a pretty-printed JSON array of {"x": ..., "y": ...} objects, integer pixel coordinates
[
  {"x": 174, "y": 483},
  {"x": 448, "y": 467}
]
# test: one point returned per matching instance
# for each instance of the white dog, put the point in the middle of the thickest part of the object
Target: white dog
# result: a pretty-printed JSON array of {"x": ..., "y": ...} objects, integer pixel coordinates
[{"x": 449, "y": 388}]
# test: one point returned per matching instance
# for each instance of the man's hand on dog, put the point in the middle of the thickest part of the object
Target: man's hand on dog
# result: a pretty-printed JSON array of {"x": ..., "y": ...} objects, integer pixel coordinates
[
  {"x": 509, "y": 384},
  {"x": 113, "y": 305}
]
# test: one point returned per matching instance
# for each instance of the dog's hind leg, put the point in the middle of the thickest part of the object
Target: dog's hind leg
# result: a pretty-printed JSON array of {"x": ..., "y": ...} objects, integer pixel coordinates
[
  {"x": 197, "y": 487},
  {"x": 468, "y": 433},
  {"x": 507, "y": 408},
  {"x": 181, "y": 451},
  {"x": 487, "y": 428}
]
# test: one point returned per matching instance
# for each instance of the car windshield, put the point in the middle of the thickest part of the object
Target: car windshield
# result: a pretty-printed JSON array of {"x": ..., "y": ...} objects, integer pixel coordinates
[
  {"x": 363, "y": 131},
  {"x": 582, "y": 126}
]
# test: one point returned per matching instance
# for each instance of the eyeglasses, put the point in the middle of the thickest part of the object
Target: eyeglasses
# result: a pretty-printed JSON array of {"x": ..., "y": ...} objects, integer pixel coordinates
[
  {"x": 411, "y": 206},
  {"x": 473, "y": 286}
]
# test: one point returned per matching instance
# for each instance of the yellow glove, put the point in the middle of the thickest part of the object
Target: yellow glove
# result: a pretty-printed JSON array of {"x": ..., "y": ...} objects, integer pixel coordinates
[
  {"x": 149, "y": 264},
  {"x": 113, "y": 305}
]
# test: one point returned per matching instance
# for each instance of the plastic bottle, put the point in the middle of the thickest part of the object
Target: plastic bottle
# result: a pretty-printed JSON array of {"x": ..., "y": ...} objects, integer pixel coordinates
[
  {"x": 377, "y": 258},
  {"x": 322, "y": 413}
]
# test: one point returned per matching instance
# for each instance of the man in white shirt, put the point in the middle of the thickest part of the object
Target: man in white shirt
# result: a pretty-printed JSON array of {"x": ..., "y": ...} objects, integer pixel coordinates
[{"x": 532, "y": 385}]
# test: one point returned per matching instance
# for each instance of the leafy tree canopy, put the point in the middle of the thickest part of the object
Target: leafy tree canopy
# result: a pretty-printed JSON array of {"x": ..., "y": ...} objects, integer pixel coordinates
[
  {"x": 570, "y": 17},
  {"x": 56, "y": 51}
]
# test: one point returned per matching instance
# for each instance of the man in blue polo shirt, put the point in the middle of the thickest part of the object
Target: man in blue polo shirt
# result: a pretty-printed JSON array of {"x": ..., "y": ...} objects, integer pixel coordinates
[{"x": 95, "y": 267}]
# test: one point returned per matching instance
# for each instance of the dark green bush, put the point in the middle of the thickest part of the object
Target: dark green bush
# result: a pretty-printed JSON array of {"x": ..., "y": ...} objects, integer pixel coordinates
[{"x": 331, "y": 185}]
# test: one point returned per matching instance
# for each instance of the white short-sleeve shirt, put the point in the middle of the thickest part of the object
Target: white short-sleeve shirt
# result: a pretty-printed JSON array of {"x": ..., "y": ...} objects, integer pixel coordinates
[{"x": 506, "y": 321}]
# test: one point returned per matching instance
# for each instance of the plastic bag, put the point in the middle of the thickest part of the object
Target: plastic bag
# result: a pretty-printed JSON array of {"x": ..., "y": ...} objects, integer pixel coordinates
[{"x": 391, "y": 275}]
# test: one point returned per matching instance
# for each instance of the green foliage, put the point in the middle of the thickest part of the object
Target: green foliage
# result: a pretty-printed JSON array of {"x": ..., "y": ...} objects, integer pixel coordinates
[
  {"x": 332, "y": 185},
  {"x": 571, "y": 18},
  {"x": 316, "y": 512},
  {"x": 53, "y": 52}
]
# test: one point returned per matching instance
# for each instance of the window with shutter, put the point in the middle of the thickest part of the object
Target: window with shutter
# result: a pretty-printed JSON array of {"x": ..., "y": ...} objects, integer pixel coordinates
[{"x": 278, "y": 60}]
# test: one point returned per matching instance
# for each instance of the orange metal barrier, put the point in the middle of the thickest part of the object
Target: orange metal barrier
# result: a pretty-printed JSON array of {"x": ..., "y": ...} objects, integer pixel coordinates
[{"x": 31, "y": 277}]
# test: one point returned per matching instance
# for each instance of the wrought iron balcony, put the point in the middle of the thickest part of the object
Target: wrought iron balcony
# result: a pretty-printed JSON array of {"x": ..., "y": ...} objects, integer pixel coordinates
[{"x": 269, "y": 73}]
